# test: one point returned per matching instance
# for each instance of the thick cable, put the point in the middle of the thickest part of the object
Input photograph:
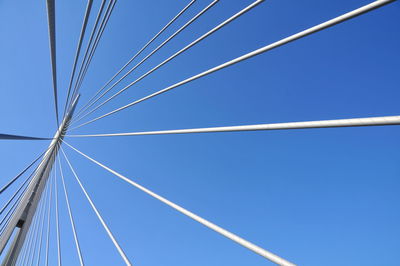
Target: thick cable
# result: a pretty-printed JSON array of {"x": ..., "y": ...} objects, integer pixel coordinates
[
  {"x": 352, "y": 122},
  {"x": 51, "y": 17}
]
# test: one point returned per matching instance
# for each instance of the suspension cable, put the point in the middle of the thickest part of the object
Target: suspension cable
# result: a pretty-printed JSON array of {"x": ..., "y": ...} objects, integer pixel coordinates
[
  {"x": 57, "y": 218},
  {"x": 48, "y": 223},
  {"x": 46, "y": 199},
  {"x": 51, "y": 17},
  {"x": 304, "y": 33},
  {"x": 78, "y": 50},
  {"x": 138, "y": 53},
  {"x": 91, "y": 38},
  {"x": 157, "y": 48},
  {"x": 352, "y": 122},
  {"x": 99, "y": 34},
  {"x": 118, "y": 247},
  {"x": 78, "y": 249},
  {"x": 260, "y": 251}
]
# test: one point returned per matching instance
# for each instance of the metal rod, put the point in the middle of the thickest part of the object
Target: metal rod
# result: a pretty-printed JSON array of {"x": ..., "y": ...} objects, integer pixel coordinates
[{"x": 352, "y": 122}]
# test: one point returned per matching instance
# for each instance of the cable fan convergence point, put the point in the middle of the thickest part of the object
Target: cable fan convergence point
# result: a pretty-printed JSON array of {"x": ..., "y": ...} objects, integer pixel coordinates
[{"x": 23, "y": 215}]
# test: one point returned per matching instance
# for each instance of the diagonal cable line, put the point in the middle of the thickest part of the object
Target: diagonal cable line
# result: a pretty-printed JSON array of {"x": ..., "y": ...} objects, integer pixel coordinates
[
  {"x": 10, "y": 212},
  {"x": 204, "y": 36},
  {"x": 48, "y": 222},
  {"x": 31, "y": 253},
  {"x": 57, "y": 218},
  {"x": 29, "y": 246},
  {"x": 118, "y": 247},
  {"x": 19, "y": 137},
  {"x": 193, "y": 43},
  {"x": 6, "y": 219},
  {"x": 138, "y": 53},
  {"x": 260, "y": 251},
  {"x": 71, "y": 218},
  {"x": 51, "y": 17},
  {"x": 22, "y": 172},
  {"x": 198, "y": 15},
  {"x": 352, "y": 122},
  {"x": 16, "y": 192},
  {"x": 46, "y": 196},
  {"x": 91, "y": 38},
  {"x": 294, "y": 37},
  {"x": 39, "y": 213},
  {"x": 78, "y": 50},
  {"x": 103, "y": 24}
]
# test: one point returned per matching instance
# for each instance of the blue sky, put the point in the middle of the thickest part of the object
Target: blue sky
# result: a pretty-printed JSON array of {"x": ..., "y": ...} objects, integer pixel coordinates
[{"x": 315, "y": 197}]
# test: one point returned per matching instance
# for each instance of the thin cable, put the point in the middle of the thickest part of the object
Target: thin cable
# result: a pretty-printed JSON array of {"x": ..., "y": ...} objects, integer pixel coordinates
[
  {"x": 51, "y": 17},
  {"x": 159, "y": 47},
  {"x": 260, "y": 251},
  {"x": 29, "y": 249},
  {"x": 92, "y": 35},
  {"x": 138, "y": 53},
  {"x": 39, "y": 213},
  {"x": 78, "y": 50},
  {"x": 353, "y": 122},
  {"x": 118, "y": 247},
  {"x": 22, "y": 254},
  {"x": 15, "y": 194},
  {"x": 71, "y": 218},
  {"x": 48, "y": 223},
  {"x": 35, "y": 231},
  {"x": 22, "y": 172},
  {"x": 264, "y": 49},
  {"x": 45, "y": 199},
  {"x": 6, "y": 219},
  {"x": 57, "y": 218},
  {"x": 103, "y": 25},
  {"x": 193, "y": 43}
]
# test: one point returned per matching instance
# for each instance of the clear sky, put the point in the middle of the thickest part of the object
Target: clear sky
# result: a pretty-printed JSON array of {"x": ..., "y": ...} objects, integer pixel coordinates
[{"x": 315, "y": 197}]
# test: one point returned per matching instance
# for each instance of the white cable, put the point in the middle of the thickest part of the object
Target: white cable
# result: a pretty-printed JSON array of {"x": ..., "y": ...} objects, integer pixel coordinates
[
  {"x": 57, "y": 218},
  {"x": 136, "y": 55},
  {"x": 78, "y": 50},
  {"x": 48, "y": 222},
  {"x": 353, "y": 122},
  {"x": 71, "y": 218},
  {"x": 45, "y": 200},
  {"x": 260, "y": 251},
  {"x": 156, "y": 49},
  {"x": 118, "y": 247},
  {"x": 218, "y": 27},
  {"x": 264, "y": 49}
]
